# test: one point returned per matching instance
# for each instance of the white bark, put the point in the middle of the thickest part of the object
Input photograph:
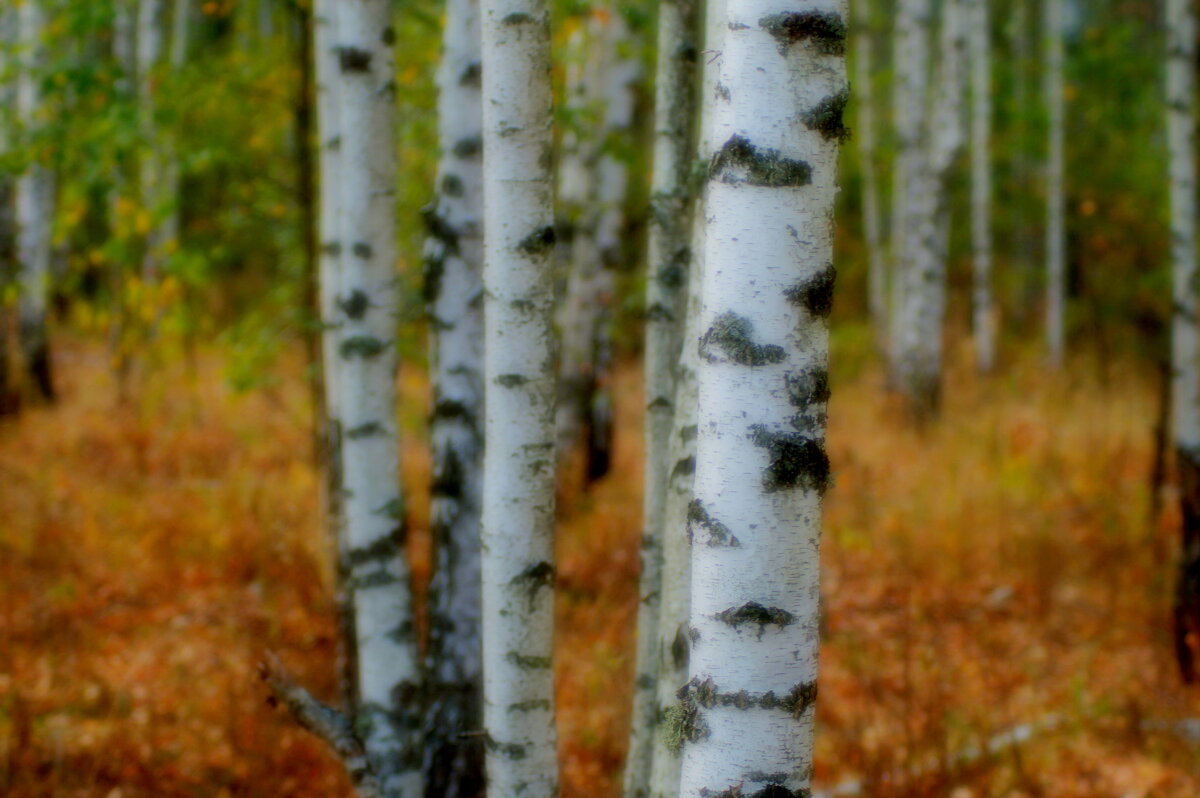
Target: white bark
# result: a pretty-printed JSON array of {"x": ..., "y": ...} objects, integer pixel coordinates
[
  {"x": 153, "y": 163},
  {"x": 454, "y": 288},
  {"x": 669, "y": 262},
  {"x": 375, "y": 570},
  {"x": 864, "y": 98},
  {"x": 34, "y": 201},
  {"x": 923, "y": 257},
  {"x": 1181, "y": 138},
  {"x": 983, "y": 314},
  {"x": 746, "y": 716},
  {"x": 1056, "y": 273},
  {"x": 518, "y": 514}
]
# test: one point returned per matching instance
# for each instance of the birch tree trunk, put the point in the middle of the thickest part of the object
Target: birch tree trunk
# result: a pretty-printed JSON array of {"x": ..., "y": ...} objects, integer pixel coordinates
[
  {"x": 923, "y": 260},
  {"x": 983, "y": 315},
  {"x": 9, "y": 403},
  {"x": 910, "y": 92},
  {"x": 668, "y": 267},
  {"x": 150, "y": 48},
  {"x": 519, "y": 462},
  {"x": 34, "y": 205},
  {"x": 181, "y": 17},
  {"x": 865, "y": 106},
  {"x": 1056, "y": 273},
  {"x": 1185, "y": 338},
  {"x": 454, "y": 292},
  {"x": 376, "y": 573},
  {"x": 673, "y": 639},
  {"x": 745, "y": 718}
]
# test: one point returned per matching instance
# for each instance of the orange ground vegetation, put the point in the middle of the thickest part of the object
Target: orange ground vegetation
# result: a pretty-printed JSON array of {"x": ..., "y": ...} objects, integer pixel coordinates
[{"x": 994, "y": 570}]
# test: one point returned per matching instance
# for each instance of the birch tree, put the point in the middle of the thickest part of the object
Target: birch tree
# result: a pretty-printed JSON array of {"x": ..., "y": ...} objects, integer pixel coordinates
[
  {"x": 8, "y": 222},
  {"x": 34, "y": 202},
  {"x": 745, "y": 718},
  {"x": 1056, "y": 272},
  {"x": 378, "y": 738},
  {"x": 1185, "y": 338},
  {"x": 518, "y": 507},
  {"x": 922, "y": 259},
  {"x": 454, "y": 292},
  {"x": 668, "y": 269},
  {"x": 983, "y": 319},
  {"x": 865, "y": 106},
  {"x": 153, "y": 166}
]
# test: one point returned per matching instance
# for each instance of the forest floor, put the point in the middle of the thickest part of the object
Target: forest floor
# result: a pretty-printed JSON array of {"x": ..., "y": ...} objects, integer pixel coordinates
[{"x": 996, "y": 593}]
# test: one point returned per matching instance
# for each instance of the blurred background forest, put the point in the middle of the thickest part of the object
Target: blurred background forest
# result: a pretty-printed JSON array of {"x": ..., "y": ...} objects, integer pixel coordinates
[{"x": 997, "y": 581}]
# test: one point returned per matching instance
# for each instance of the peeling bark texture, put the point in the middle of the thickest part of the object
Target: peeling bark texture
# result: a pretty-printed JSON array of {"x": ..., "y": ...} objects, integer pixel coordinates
[
  {"x": 1056, "y": 237},
  {"x": 34, "y": 208},
  {"x": 864, "y": 98},
  {"x": 668, "y": 266},
  {"x": 745, "y": 722},
  {"x": 361, "y": 300},
  {"x": 454, "y": 293},
  {"x": 519, "y": 461},
  {"x": 1185, "y": 338},
  {"x": 983, "y": 312},
  {"x": 595, "y": 181},
  {"x": 917, "y": 357}
]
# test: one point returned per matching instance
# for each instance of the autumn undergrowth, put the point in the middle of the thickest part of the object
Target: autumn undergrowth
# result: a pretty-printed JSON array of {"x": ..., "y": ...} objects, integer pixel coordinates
[{"x": 995, "y": 568}]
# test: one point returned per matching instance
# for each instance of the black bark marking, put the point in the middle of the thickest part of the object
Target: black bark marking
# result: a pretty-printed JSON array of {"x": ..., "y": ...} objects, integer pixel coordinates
[
  {"x": 452, "y": 186},
  {"x": 684, "y": 467},
  {"x": 534, "y": 578},
  {"x": 658, "y": 312},
  {"x": 537, "y": 242},
  {"x": 468, "y": 147},
  {"x": 405, "y": 632},
  {"x": 353, "y": 59},
  {"x": 826, "y": 29},
  {"x": 389, "y": 36},
  {"x": 530, "y": 705},
  {"x": 364, "y": 346},
  {"x": 770, "y": 791},
  {"x": 382, "y": 550},
  {"x": 659, "y": 403},
  {"x": 362, "y": 250},
  {"x": 807, "y": 389},
  {"x": 472, "y": 75},
  {"x": 371, "y": 580},
  {"x": 739, "y": 161},
  {"x": 355, "y": 306},
  {"x": 371, "y": 428},
  {"x": 755, "y": 613},
  {"x": 332, "y": 248},
  {"x": 528, "y": 663},
  {"x": 511, "y": 380},
  {"x": 706, "y": 695},
  {"x": 815, "y": 294},
  {"x": 674, "y": 274},
  {"x": 454, "y": 410},
  {"x": 688, "y": 433},
  {"x": 511, "y": 750},
  {"x": 718, "y": 534},
  {"x": 730, "y": 333},
  {"x": 448, "y": 476},
  {"x": 392, "y": 509},
  {"x": 518, "y": 18},
  {"x": 796, "y": 460},
  {"x": 680, "y": 651},
  {"x": 682, "y": 723},
  {"x": 826, "y": 117},
  {"x": 738, "y": 26}
]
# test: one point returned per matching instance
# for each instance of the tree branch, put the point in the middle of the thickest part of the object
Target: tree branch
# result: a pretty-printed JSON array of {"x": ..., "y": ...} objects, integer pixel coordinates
[{"x": 322, "y": 720}]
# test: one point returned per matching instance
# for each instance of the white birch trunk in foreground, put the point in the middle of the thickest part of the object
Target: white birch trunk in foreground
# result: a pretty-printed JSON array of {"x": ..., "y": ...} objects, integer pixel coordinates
[
  {"x": 519, "y": 462},
  {"x": 1185, "y": 338},
  {"x": 181, "y": 18},
  {"x": 454, "y": 291},
  {"x": 746, "y": 715},
  {"x": 668, "y": 263},
  {"x": 376, "y": 573},
  {"x": 983, "y": 315},
  {"x": 909, "y": 95},
  {"x": 923, "y": 259},
  {"x": 34, "y": 204},
  {"x": 1056, "y": 267},
  {"x": 864, "y": 100}
]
